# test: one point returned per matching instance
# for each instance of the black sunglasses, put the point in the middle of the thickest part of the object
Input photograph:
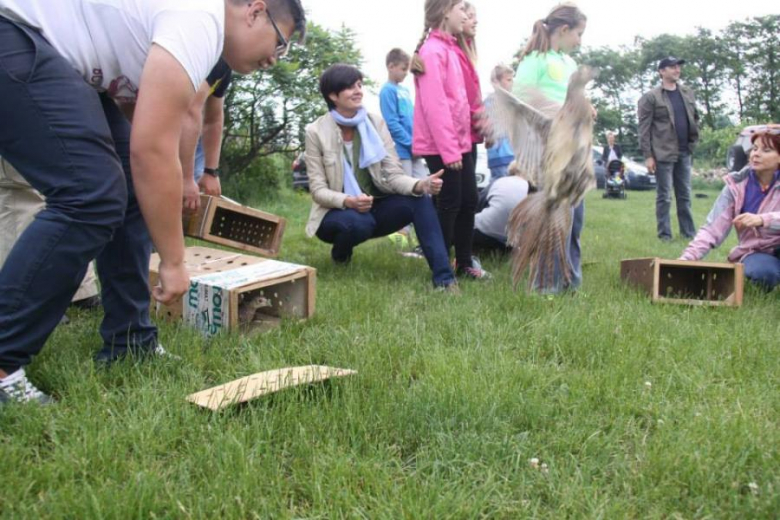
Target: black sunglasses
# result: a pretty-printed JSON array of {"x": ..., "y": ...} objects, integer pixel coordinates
[{"x": 282, "y": 43}]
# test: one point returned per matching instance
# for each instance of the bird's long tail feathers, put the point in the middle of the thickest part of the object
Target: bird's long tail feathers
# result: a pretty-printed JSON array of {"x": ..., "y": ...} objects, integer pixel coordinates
[{"x": 538, "y": 231}]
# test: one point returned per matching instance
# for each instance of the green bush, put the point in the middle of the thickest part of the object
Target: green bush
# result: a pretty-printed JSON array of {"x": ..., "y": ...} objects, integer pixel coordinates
[
  {"x": 714, "y": 145},
  {"x": 264, "y": 179}
]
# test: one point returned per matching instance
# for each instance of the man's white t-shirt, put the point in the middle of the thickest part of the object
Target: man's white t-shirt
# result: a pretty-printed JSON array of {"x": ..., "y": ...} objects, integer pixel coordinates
[{"x": 108, "y": 41}]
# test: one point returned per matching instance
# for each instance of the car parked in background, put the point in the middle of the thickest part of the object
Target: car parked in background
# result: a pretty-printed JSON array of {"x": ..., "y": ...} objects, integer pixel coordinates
[
  {"x": 300, "y": 179},
  {"x": 737, "y": 155},
  {"x": 636, "y": 175},
  {"x": 599, "y": 168},
  {"x": 481, "y": 169}
]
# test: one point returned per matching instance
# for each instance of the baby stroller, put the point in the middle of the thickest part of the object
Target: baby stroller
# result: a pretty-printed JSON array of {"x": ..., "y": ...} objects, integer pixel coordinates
[{"x": 615, "y": 186}]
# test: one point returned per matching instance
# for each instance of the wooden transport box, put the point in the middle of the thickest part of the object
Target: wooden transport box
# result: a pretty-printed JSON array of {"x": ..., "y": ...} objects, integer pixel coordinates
[
  {"x": 225, "y": 286},
  {"x": 224, "y": 222},
  {"x": 690, "y": 283}
]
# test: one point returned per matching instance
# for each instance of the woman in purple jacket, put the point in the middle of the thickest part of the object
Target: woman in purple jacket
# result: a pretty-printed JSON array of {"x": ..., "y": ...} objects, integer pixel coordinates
[
  {"x": 751, "y": 203},
  {"x": 442, "y": 127}
]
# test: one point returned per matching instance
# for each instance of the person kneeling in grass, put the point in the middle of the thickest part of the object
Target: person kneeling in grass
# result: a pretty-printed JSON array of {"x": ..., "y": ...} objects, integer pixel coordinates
[
  {"x": 751, "y": 203},
  {"x": 358, "y": 187},
  {"x": 503, "y": 195}
]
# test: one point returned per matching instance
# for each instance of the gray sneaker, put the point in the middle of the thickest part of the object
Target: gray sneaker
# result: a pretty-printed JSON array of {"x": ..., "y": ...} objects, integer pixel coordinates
[{"x": 16, "y": 388}]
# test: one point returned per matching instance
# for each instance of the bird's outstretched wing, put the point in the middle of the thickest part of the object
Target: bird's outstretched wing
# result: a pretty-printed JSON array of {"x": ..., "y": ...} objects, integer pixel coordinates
[{"x": 527, "y": 126}]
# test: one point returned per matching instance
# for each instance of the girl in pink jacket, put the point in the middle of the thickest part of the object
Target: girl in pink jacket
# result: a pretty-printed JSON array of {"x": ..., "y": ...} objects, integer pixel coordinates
[
  {"x": 751, "y": 203},
  {"x": 442, "y": 127}
]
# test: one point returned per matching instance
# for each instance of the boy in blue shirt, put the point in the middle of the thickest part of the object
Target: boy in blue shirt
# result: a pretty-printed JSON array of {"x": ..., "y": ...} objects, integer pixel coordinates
[
  {"x": 500, "y": 154},
  {"x": 398, "y": 112}
]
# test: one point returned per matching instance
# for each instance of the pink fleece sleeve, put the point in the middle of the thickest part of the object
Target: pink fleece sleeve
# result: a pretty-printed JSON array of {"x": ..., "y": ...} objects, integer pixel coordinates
[
  {"x": 436, "y": 109},
  {"x": 714, "y": 232},
  {"x": 771, "y": 220}
]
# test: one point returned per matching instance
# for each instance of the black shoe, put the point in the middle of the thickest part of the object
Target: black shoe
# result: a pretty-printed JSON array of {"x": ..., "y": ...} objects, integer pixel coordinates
[
  {"x": 16, "y": 388},
  {"x": 342, "y": 261},
  {"x": 111, "y": 354},
  {"x": 87, "y": 303}
]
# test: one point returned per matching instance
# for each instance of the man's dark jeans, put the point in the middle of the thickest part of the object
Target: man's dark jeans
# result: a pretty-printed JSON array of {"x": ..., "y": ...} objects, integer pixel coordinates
[
  {"x": 347, "y": 228},
  {"x": 677, "y": 174},
  {"x": 72, "y": 145}
]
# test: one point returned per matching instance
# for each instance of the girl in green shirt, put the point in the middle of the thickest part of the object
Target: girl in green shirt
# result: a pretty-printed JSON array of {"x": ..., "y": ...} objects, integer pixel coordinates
[
  {"x": 545, "y": 63},
  {"x": 546, "y": 67}
]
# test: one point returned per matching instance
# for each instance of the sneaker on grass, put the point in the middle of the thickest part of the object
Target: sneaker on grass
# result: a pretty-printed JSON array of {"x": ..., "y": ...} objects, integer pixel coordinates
[
  {"x": 16, "y": 388},
  {"x": 451, "y": 289},
  {"x": 474, "y": 273},
  {"x": 417, "y": 252},
  {"x": 110, "y": 354}
]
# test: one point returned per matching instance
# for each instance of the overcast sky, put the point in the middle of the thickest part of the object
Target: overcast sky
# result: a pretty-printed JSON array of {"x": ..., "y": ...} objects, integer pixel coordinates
[{"x": 503, "y": 24}]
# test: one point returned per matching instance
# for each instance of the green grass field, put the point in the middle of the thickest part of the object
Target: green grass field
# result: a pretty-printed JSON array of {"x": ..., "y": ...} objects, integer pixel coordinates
[{"x": 637, "y": 410}]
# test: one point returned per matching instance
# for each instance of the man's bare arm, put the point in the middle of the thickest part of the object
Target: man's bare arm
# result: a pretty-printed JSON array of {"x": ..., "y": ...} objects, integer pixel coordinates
[{"x": 165, "y": 96}]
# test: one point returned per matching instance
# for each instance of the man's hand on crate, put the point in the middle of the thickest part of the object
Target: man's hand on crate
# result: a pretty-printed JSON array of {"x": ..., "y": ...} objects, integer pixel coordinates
[
  {"x": 210, "y": 185},
  {"x": 174, "y": 282},
  {"x": 191, "y": 192}
]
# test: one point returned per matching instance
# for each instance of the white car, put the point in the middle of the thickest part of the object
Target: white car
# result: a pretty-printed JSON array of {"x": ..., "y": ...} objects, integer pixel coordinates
[
  {"x": 482, "y": 170},
  {"x": 636, "y": 174}
]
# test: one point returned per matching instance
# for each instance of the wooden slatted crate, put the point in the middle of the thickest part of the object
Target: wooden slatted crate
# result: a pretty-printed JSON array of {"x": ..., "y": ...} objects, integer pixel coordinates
[
  {"x": 225, "y": 222},
  {"x": 685, "y": 282},
  {"x": 220, "y": 281}
]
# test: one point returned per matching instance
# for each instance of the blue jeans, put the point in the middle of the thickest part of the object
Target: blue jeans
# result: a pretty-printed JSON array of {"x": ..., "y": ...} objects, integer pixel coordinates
[
  {"x": 677, "y": 174},
  {"x": 72, "y": 145},
  {"x": 763, "y": 269},
  {"x": 347, "y": 228}
]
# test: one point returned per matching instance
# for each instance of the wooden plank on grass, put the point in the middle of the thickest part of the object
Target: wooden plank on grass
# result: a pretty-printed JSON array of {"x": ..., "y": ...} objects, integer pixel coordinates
[{"x": 264, "y": 383}]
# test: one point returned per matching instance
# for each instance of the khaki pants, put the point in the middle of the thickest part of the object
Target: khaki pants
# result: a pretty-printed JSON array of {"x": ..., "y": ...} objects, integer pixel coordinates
[{"x": 19, "y": 203}]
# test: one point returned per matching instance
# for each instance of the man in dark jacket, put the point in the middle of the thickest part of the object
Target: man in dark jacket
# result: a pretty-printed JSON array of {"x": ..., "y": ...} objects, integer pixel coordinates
[{"x": 668, "y": 132}]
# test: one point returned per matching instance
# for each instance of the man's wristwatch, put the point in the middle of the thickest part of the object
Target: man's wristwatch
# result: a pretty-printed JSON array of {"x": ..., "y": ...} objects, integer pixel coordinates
[{"x": 211, "y": 171}]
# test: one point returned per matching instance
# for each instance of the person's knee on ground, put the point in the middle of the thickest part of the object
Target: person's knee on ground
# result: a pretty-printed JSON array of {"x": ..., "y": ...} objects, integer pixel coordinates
[
  {"x": 344, "y": 230},
  {"x": 763, "y": 271}
]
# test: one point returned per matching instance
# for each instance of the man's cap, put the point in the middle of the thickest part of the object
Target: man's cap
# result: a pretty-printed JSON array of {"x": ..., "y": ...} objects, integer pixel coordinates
[{"x": 669, "y": 62}]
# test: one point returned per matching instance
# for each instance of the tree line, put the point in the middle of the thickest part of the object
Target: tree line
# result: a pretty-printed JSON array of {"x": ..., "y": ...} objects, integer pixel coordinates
[{"x": 735, "y": 73}]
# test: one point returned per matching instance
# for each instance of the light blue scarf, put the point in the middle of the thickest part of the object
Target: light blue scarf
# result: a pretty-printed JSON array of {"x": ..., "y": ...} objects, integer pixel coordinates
[{"x": 372, "y": 148}]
